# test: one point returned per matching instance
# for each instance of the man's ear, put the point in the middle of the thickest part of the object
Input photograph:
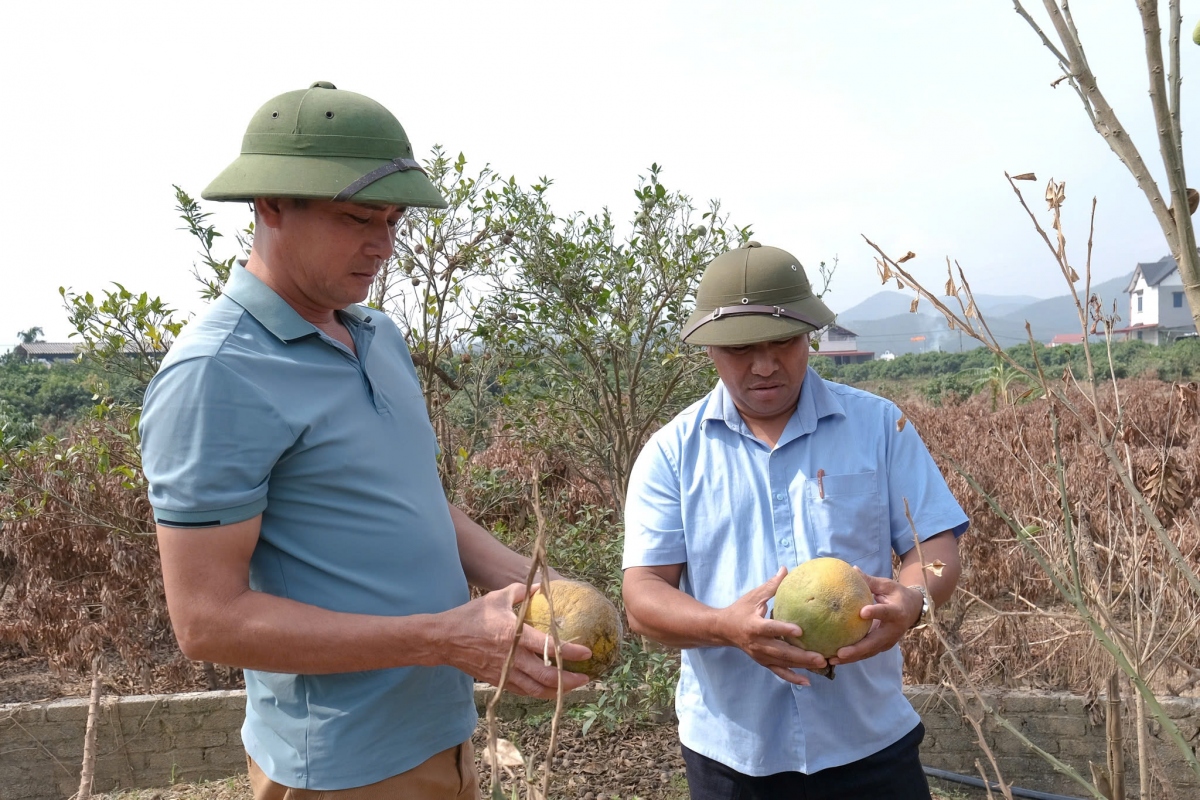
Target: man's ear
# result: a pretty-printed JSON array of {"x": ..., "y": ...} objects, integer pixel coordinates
[{"x": 268, "y": 211}]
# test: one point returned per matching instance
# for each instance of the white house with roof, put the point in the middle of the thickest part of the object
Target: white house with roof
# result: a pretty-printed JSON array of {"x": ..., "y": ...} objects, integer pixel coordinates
[
  {"x": 1158, "y": 310},
  {"x": 841, "y": 344}
]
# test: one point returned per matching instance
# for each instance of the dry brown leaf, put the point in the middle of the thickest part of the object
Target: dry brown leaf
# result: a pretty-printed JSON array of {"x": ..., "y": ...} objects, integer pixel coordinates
[
  {"x": 885, "y": 271},
  {"x": 906, "y": 257},
  {"x": 972, "y": 312},
  {"x": 912, "y": 308},
  {"x": 951, "y": 289},
  {"x": 1056, "y": 194},
  {"x": 936, "y": 567},
  {"x": 900, "y": 423},
  {"x": 507, "y": 754},
  {"x": 1073, "y": 274},
  {"x": 1025, "y": 176}
]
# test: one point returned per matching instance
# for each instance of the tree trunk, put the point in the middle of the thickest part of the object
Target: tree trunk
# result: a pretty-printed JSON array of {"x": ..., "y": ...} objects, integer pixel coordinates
[
  {"x": 1172, "y": 211},
  {"x": 1177, "y": 225}
]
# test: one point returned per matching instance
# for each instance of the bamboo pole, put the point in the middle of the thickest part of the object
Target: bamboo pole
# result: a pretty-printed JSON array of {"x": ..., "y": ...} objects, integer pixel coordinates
[
  {"x": 1116, "y": 739},
  {"x": 88, "y": 771}
]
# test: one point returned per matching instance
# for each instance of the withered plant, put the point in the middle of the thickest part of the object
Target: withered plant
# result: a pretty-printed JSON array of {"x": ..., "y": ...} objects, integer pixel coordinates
[
  {"x": 1092, "y": 482},
  {"x": 76, "y": 527}
]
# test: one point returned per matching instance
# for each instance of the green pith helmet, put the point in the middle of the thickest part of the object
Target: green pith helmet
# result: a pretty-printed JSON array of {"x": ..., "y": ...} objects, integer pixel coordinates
[
  {"x": 324, "y": 144},
  {"x": 754, "y": 294}
]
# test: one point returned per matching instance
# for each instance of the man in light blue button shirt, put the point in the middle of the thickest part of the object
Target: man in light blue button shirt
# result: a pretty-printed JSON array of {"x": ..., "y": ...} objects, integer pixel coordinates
[
  {"x": 302, "y": 525},
  {"x": 772, "y": 468}
]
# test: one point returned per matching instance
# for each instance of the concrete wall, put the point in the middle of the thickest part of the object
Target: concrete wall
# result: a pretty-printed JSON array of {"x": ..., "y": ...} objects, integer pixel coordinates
[
  {"x": 1060, "y": 724},
  {"x": 150, "y": 741}
]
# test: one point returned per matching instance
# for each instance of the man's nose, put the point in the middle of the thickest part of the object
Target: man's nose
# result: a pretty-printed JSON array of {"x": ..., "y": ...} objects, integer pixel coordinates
[
  {"x": 382, "y": 242},
  {"x": 764, "y": 364}
]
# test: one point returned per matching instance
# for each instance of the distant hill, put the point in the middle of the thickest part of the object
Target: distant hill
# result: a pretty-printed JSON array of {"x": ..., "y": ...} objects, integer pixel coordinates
[
  {"x": 877, "y": 306},
  {"x": 892, "y": 303},
  {"x": 883, "y": 323},
  {"x": 1061, "y": 309}
]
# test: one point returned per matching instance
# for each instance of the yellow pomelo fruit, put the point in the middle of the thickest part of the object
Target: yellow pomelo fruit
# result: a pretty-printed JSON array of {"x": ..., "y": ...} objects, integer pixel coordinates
[
  {"x": 583, "y": 615},
  {"x": 823, "y": 596}
]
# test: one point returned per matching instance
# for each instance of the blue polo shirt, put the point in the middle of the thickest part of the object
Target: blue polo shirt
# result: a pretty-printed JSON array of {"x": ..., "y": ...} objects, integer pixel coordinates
[
  {"x": 707, "y": 494},
  {"x": 255, "y": 411}
]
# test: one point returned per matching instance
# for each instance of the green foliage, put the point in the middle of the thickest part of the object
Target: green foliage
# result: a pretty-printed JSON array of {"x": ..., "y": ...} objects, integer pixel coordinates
[
  {"x": 16, "y": 429},
  {"x": 195, "y": 223},
  {"x": 37, "y": 398},
  {"x": 588, "y": 321},
  {"x": 432, "y": 286},
  {"x": 947, "y": 390},
  {"x": 126, "y": 333},
  {"x": 589, "y": 548},
  {"x": 1001, "y": 380},
  {"x": 637, "y": 691},
  {"x": 1177, "y": 361}
]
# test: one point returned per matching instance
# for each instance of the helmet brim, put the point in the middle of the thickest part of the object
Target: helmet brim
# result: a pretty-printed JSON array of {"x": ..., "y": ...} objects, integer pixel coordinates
[
  {"x": 320, "y": 178},
  {"x": 736, "y": 331}
]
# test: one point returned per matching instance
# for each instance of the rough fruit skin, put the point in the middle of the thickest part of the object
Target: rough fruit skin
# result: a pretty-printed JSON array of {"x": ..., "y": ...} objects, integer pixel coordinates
[
  {"x": 583, "y": 615},
  {"x": 823, "y": 596}
]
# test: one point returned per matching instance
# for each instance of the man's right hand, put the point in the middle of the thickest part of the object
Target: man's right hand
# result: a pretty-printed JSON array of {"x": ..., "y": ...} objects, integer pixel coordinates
[
  {"x": 746, "y": 626},
  {"x": 480, "y": 635}
]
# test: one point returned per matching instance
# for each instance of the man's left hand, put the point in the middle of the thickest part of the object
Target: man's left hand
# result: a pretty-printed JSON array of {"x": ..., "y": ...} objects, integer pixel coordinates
[{"x": 895, "y": 610}]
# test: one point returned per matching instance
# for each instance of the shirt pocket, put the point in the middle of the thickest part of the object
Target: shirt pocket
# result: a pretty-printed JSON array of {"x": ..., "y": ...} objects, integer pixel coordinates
[{"x": 844, "y": 515}]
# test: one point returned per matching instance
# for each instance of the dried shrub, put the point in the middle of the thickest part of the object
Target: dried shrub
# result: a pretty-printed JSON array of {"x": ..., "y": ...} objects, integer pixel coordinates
[
  {"x": 1011, "y": 623},
  {"x": 493, "y": 485},
  {"x": 83, "y": 564}
]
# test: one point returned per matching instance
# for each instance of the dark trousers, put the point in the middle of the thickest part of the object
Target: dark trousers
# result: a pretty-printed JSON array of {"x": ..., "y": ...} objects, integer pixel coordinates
[{"x": 894, "y": 773}]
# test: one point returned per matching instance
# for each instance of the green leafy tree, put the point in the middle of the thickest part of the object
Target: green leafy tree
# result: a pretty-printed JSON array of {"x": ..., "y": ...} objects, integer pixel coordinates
[
  {"x": 31, "y": 335},
  {"x": 125, "y": 332},
  {"x": 16, "y": 429},
  {"x": 589, "y": 318},
  {"x": 433, "y": 285}
]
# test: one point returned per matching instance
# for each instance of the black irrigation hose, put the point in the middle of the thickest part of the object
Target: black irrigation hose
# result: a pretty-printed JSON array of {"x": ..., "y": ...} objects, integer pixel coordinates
[{"x": 1017, "y": 791}]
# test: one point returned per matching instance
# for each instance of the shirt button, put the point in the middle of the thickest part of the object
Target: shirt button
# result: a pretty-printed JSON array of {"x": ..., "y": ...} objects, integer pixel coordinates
[
  {"x": 786, "y": 543},
  {"x": 779, "y": 495}
]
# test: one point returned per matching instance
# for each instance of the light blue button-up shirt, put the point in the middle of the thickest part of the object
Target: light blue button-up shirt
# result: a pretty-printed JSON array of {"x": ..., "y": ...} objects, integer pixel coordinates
[
  {"x": 707, "y": 494},
  {"x": 256, "y": 411}
]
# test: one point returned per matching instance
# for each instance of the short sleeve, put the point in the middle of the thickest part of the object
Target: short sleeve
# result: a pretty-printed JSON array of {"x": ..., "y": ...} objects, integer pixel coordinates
[
  {"x": 653, "y": 512},
  {"x": 209, "y": 439},
  {"x": 913, "y": 475}
]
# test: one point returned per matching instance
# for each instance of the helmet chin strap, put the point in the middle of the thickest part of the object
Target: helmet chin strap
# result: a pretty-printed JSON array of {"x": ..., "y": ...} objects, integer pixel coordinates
[
  {"x": 738, "y": 311},
  {"x": 395, "y": 165}
]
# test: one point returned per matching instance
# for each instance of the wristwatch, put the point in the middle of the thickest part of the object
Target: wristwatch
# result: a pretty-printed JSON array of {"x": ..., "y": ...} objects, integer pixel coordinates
[{"x": 926, "y": 608}]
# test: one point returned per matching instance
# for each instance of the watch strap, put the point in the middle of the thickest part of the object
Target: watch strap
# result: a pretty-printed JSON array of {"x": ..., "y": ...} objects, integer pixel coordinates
[{"x": 926, "y": 608}]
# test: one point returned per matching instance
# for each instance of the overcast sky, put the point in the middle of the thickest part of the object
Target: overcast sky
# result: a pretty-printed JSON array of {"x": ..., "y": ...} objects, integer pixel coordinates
[{"x": 815, "y": 122}]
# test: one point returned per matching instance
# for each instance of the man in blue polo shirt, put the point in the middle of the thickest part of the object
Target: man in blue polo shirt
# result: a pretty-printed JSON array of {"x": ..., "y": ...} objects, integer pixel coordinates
[
  {"x": 303, "y": 529},
  {"x": 772, "y": 468}
]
